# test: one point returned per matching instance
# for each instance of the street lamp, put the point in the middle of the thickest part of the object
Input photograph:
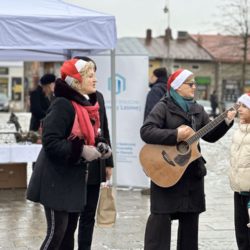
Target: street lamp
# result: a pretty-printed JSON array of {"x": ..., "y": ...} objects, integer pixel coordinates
[{"x": 167, "y": 33}]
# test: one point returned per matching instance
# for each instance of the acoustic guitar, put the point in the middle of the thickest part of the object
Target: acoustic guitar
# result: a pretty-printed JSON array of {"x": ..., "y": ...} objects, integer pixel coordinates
[{"x": 165, "y": 165}]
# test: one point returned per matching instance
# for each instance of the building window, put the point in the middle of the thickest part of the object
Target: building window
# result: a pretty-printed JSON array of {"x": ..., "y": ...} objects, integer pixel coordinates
[
  {"x": 4, "y": 71},
  {"x": 175, "y": 66},
  {"x": 195, "y": 67}
]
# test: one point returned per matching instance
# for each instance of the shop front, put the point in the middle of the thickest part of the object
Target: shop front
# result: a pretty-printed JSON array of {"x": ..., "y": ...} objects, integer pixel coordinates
[
  {"x": 203, "y": 87},
  {"x": 11, "y": 83}
]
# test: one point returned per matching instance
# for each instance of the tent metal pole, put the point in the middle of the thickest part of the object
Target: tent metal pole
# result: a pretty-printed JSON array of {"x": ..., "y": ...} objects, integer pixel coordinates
[
  {"x": 113, "y": 115},
  {"x": 69, "y": 54}
]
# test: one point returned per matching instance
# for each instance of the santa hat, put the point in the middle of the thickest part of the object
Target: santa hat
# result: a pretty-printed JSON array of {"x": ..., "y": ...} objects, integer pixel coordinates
[
  {"x": 178, "y": 78},
  {"x": 245, "y": 99},
  {"x": 70, "y": 70}
]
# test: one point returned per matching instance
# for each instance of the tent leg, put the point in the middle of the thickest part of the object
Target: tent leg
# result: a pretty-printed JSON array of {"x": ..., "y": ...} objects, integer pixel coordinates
[
  {"x": 113, "y": 115},
  {"x": 69, "y": 54}
]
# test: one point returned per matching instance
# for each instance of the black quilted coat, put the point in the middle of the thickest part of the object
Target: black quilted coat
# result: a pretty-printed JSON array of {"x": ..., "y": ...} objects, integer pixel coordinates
[{"x": 187, "y": 195}]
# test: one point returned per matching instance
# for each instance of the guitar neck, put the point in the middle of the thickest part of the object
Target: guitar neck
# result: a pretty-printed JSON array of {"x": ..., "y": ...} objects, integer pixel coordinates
[{"x": 211, "y": 125}]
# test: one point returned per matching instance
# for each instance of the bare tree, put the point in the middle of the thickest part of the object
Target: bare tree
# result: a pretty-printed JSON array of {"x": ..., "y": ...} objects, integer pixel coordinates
[{"x": 235, "y": 21}]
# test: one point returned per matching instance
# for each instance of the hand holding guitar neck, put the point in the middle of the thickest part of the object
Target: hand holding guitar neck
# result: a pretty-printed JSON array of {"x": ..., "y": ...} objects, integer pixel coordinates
[{"x": 183, "y": 132}]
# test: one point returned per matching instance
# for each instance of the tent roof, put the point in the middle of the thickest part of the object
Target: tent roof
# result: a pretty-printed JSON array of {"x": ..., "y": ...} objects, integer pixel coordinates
[
  {"x": 53, "y": 26},
  {"x": 45, "y": 8}
]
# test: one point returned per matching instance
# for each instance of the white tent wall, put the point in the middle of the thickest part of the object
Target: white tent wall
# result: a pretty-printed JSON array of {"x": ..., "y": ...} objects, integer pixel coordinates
[{"x": 131, "y": 91}]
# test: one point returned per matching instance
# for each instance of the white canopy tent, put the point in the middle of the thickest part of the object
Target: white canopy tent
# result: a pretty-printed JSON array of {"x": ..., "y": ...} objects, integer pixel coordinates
[
  {"x": 52, "y": 27},
  {"x": 52, "y": 30}
]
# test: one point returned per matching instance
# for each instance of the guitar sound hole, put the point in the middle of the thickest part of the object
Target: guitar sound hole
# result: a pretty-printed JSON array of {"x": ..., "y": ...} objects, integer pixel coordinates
[{"x": 183, "y": 147}]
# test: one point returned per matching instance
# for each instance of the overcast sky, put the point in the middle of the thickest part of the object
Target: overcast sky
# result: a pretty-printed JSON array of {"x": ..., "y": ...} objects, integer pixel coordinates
[{"x": 133, "y": 17}]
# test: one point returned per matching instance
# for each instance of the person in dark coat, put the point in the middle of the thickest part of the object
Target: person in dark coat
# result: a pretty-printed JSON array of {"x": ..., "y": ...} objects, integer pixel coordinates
[
  {"x": 99, "y": 171},
  {"x": 157, "y": 89},
  {"x": 70, "y": 141},
  {"x": 40, "y": 99},
  {"x": 214, "y": 103},
  {"x": 186, "y": 199}
]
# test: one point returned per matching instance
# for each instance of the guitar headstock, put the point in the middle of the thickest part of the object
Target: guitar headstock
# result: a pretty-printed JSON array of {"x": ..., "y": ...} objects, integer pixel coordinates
[{"x": 235, "y": 107}]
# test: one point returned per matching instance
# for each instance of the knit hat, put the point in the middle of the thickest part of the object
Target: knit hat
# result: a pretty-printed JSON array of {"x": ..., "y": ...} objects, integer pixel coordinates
[
  {"x": 70, "y": 70},
  {"x": 245, "y": 99},
  {"x": 47, "y": 79},
  {"x": 178, "y": 78},
  {"x": 160, "y": 73}
]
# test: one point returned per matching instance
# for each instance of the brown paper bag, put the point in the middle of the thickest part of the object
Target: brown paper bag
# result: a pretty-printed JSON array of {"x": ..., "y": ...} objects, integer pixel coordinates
[{"x": 106, "y": 210}]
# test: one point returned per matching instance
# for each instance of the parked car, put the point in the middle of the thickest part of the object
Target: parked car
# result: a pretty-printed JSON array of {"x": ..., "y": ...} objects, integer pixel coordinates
[
  {"x": 207, "y": 106},
  {"x": 4, "y": 103}
]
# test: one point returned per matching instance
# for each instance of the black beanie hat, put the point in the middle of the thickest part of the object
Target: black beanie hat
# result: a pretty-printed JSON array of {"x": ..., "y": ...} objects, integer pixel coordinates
[
  {"x": 160, "y": 73},
  {"x": 47, "y": 79}
]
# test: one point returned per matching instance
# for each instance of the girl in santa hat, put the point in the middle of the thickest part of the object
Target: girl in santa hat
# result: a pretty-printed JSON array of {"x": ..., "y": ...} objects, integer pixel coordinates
[
  {"x": 70, "y": 141},
  {"x": 239, "y": 173},
  {"x": 185, "y": 200}
]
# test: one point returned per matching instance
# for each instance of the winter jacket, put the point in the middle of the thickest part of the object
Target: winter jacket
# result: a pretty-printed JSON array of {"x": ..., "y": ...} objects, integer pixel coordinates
[
  {"x": 96, "y": 172},
  {"x": 239, "y": 173},
  {"x": 157, "y": 91},
  {"x": 39, "y": 105},
  {"x": 160, "y": 127},
  {"x": 59, "y": 177}
]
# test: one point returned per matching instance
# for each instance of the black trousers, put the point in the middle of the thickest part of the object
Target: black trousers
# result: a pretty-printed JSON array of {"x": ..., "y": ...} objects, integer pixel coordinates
[
  {"x": 241, "y": 218},
  {"x": 158, "y": 232},
  {"x": 87, "y": 218},
  {"x": 60, "y": 230}
]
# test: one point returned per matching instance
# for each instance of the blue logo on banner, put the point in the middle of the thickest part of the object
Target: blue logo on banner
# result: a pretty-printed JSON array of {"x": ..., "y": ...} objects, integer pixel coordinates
[{"x": 120, "y": 82}]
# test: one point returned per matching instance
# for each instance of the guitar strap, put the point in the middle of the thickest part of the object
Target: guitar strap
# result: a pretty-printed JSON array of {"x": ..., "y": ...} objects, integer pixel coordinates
[
  {"x": 191, "y": 119},
  {"x": 193, "y": 124}
]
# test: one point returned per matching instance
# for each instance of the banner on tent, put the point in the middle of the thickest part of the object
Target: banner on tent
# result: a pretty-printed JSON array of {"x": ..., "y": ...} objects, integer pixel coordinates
[{"x": 131, "y": 91}]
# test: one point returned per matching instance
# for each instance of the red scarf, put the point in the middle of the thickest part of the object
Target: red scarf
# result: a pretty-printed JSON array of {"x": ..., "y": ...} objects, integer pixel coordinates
[{"x": 82, "y": 126}]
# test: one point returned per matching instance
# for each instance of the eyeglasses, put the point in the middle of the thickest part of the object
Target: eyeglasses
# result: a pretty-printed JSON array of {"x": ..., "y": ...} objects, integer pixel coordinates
[{"x": 190, "y": 84}]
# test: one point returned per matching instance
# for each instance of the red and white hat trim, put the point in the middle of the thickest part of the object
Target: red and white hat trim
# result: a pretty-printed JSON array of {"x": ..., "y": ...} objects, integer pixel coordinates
[
  {"x": 69, "y": 80},
  {"x": 180, "y": 79},
  {"x": 79, "y": 65},
  {"x": 245, "y": 99}
]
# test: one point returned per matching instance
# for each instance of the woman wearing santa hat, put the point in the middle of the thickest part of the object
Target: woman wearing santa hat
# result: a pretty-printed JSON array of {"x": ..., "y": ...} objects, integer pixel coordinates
[
  {"x": 239, "y": 174},
  {"x": 69, "y": 139},
  {"x": 185, "y": 200}
]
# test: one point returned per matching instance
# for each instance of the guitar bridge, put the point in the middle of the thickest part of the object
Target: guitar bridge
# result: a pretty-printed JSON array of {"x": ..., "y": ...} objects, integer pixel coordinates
[{"x": 165, "y": 157}]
